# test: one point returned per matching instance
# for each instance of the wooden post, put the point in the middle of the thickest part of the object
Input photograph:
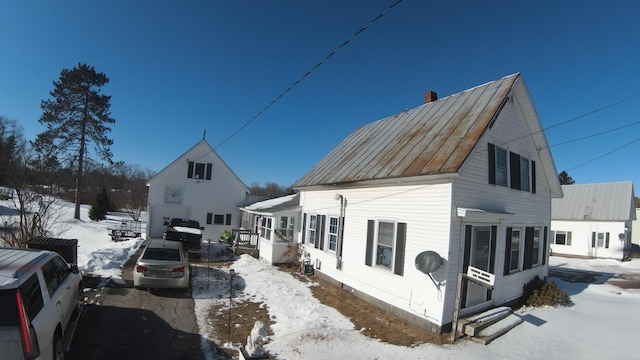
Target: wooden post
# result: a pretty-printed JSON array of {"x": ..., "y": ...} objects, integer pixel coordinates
[{"x": 456, "y": 309}]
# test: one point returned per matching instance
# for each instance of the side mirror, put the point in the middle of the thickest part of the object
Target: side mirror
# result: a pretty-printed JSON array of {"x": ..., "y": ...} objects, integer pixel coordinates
[{"x": 74, "y": 268}]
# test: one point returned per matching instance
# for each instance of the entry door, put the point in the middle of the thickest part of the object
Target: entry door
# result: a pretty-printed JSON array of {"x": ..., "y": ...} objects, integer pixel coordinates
[{"x": 480, "y": 258}]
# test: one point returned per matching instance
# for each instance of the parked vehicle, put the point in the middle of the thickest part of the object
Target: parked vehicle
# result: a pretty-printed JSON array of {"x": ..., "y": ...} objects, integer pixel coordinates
[
  {"x": 162, "y": 264},
  {"x": 41, "y": 297},
  {"x": 189, "y": 232}
]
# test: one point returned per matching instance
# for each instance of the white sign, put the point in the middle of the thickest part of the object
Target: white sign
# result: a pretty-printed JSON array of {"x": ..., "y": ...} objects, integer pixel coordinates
[{"x": 481, "y": 275}]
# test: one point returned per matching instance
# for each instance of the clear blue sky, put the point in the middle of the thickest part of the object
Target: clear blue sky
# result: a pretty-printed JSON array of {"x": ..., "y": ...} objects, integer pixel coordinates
[{"x": 177, "y": 68}]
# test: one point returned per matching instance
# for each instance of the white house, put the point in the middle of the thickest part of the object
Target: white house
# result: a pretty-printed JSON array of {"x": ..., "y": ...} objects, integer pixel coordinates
[
  {"x": 198, "y": 185},
  {"x": 593, "y": 220},
  {"x": 404, "y": 204},
  {"x": 635, "y": 235},
  {"x": 277, "y": 223}
]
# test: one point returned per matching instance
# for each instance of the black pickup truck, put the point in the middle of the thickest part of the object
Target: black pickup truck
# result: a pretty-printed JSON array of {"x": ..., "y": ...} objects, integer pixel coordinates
[{"x": 187, "y": 231}]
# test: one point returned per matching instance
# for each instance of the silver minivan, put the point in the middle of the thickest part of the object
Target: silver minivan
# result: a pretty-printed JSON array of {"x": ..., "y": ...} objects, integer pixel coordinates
[{"x": 41, "y": 298}]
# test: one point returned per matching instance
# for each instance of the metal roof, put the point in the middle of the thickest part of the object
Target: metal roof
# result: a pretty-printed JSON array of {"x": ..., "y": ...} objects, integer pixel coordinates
[
  {"x": 595, "y": 202},
  {"x": 275, "y": 205},
  {"x": 434, "y": 138}
]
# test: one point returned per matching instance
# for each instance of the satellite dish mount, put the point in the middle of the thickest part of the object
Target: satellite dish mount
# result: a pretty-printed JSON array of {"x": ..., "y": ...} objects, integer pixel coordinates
[{"x": 428, "y": 262}]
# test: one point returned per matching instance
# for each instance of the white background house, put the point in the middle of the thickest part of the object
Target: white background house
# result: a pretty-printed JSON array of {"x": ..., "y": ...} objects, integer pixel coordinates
[
  {"x": 469, "y": 177},
  {"x": 593, "y": 220},
  {"x": 198, "y": 185}
]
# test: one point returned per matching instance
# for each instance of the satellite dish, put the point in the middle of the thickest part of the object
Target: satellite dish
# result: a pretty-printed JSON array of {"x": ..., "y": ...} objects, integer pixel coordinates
[{"x": 428, "y": 261}]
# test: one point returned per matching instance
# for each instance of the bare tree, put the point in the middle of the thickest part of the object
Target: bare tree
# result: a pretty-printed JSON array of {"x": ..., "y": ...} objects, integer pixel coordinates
[{"x": 133, "y": 191}]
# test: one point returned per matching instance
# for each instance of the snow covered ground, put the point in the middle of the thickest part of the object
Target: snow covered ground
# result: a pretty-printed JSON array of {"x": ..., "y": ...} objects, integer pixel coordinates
[{"x": 603, "y": 322}]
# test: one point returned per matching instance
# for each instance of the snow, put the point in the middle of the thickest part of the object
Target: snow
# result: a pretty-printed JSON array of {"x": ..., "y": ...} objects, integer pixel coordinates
[{"x": 601, "y": 323}]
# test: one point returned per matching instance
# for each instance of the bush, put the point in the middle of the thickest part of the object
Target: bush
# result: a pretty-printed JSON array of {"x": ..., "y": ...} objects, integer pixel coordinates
[{"x": 538, "y": 292}]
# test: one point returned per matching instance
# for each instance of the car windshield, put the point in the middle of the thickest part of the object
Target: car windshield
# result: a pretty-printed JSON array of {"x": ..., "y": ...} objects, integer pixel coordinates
[
  {"x": 161, "y": 254},
  {"x": 185, "y": 223}
]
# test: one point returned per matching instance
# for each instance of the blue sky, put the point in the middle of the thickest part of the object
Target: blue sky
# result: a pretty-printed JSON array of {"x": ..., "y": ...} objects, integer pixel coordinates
[{"x": 177, "y": 68}]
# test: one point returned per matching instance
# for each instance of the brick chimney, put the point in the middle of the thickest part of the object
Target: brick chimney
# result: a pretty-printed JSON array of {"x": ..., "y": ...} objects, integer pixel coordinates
[{"x": 430, "y": 96}]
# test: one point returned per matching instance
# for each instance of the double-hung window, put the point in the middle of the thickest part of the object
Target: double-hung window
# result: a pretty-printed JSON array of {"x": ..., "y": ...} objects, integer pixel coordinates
[
  {"x": 502, "y": 169},
  {"x": 313, "y": 228},
  {"x": 600, "y": 239},
  {"x": 536, "y": 247},
  {"x": 385, "y": 245},
  {"x": 333, "y": 232},
  {"x": 514, "y": 256}
]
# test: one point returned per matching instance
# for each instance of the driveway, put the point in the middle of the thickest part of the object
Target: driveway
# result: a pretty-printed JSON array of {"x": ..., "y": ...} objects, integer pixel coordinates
[{"x": 121, "y": 322}]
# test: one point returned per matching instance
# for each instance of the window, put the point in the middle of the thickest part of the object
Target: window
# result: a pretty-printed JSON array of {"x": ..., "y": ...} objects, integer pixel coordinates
[
  {"x": 535, "y": 253},
  {"x": 333, "y": 233},
  {"x": 313, "y": 226},
  {"x": 600, "y": 240},
  {"x": 511, "y": 170},
  {"x": 285, "y": 227},
  {"x": 218, "y": 219},
  {"x": 199, "y": 170},
  {"x": 524, "y": 174},
  {"x": 516, "y": 238},
  {"x": 561, "y": 237},
  {"x": 265, "y": 227},
  {"x": 501, "y": 167},
  {"x": 385, "y": 245},
  {"x": 50, "y": 277}
]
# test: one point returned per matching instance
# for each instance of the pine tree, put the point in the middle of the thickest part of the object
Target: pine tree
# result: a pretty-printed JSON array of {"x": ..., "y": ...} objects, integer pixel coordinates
[
  {"x": 76, "y": 117},
  {"x": 565, "y": 179},
  {"x": 101, "y": 206}
]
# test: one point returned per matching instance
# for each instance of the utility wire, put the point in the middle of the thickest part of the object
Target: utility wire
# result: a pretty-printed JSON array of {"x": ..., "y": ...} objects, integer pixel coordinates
[
  {"x": 605, "y": 154},
  {"x": 282, "y": 94},
  {"x": 596, "y": 134}
]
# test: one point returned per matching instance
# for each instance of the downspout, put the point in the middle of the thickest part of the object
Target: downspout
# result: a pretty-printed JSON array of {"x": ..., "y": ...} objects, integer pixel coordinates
[{"x": 343, "y": 205}]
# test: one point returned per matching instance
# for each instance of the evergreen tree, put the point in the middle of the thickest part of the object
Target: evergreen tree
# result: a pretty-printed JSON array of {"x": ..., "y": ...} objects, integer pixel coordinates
[
  {"x": 101, "y": 206},
  {"x": 565, "y": 179},
  {"x": 76, "y": 117}
]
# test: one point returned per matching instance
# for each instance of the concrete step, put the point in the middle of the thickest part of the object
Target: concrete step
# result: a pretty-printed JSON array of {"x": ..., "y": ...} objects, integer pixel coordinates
[
  {"x": 474, "y": 324},
  {"x": 497, "y": 329}
]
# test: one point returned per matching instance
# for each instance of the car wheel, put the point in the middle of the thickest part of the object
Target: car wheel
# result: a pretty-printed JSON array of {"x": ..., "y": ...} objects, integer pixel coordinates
[{"x": 58, "y": 347}]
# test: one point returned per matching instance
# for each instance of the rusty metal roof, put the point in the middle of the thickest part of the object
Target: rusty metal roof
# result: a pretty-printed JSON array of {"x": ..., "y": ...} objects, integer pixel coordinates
[{"x": 434, "y": 138}]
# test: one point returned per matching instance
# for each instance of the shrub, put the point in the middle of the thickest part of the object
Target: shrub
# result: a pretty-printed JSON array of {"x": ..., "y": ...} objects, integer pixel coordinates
[{"x": 538, "y": 292}]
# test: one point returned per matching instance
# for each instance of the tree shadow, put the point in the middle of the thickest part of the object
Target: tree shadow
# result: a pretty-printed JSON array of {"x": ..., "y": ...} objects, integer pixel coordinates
[
  {"x": 575, "y": 281},
  {"x": 107, "y": 332}
]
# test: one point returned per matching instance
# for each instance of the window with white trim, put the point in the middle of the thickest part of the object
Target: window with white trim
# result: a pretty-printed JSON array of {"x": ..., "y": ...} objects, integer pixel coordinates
[
  {"x": 600, "y": 240},
  {"x": 313, "y": 227},
  {"x": 514, "y": 256},
  {"x": 333, "y": 233},
  {"x": 285, "y": 227},
  {"x": 561, "y": 237},
  {"x": 502, "y": 169},
  {"x": 201, "y": 171},
  {"x": 536, "y": 248},
  {"x": 385, "y": 246},
  {"x": 266, "y": 227}
]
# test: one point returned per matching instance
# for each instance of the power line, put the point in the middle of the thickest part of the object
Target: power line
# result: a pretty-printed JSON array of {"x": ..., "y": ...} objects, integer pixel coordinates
[
  {"x": 605, "y": 154},
  {"x": 596, "y": 134},
  {"x": 295, "y": 83}
]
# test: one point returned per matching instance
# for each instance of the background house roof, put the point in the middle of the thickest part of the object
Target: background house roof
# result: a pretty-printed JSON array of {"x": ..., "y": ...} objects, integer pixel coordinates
[
  {"x": 595, "y": 202},
  {"x": 434, "y": 138},
  {"x": 275, "y": 205}
]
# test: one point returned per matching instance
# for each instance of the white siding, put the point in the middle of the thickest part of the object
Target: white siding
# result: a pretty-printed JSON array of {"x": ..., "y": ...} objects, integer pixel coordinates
[
  {"x": 581, "y": 233},
  {"x": 424, "y": 208},
  {"x": 472, "y": 190},
  {"x": 222, "y": 195}
]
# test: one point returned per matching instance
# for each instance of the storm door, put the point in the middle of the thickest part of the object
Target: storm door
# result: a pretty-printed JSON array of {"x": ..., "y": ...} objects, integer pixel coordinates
[{"x": 481, "y": 255}]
